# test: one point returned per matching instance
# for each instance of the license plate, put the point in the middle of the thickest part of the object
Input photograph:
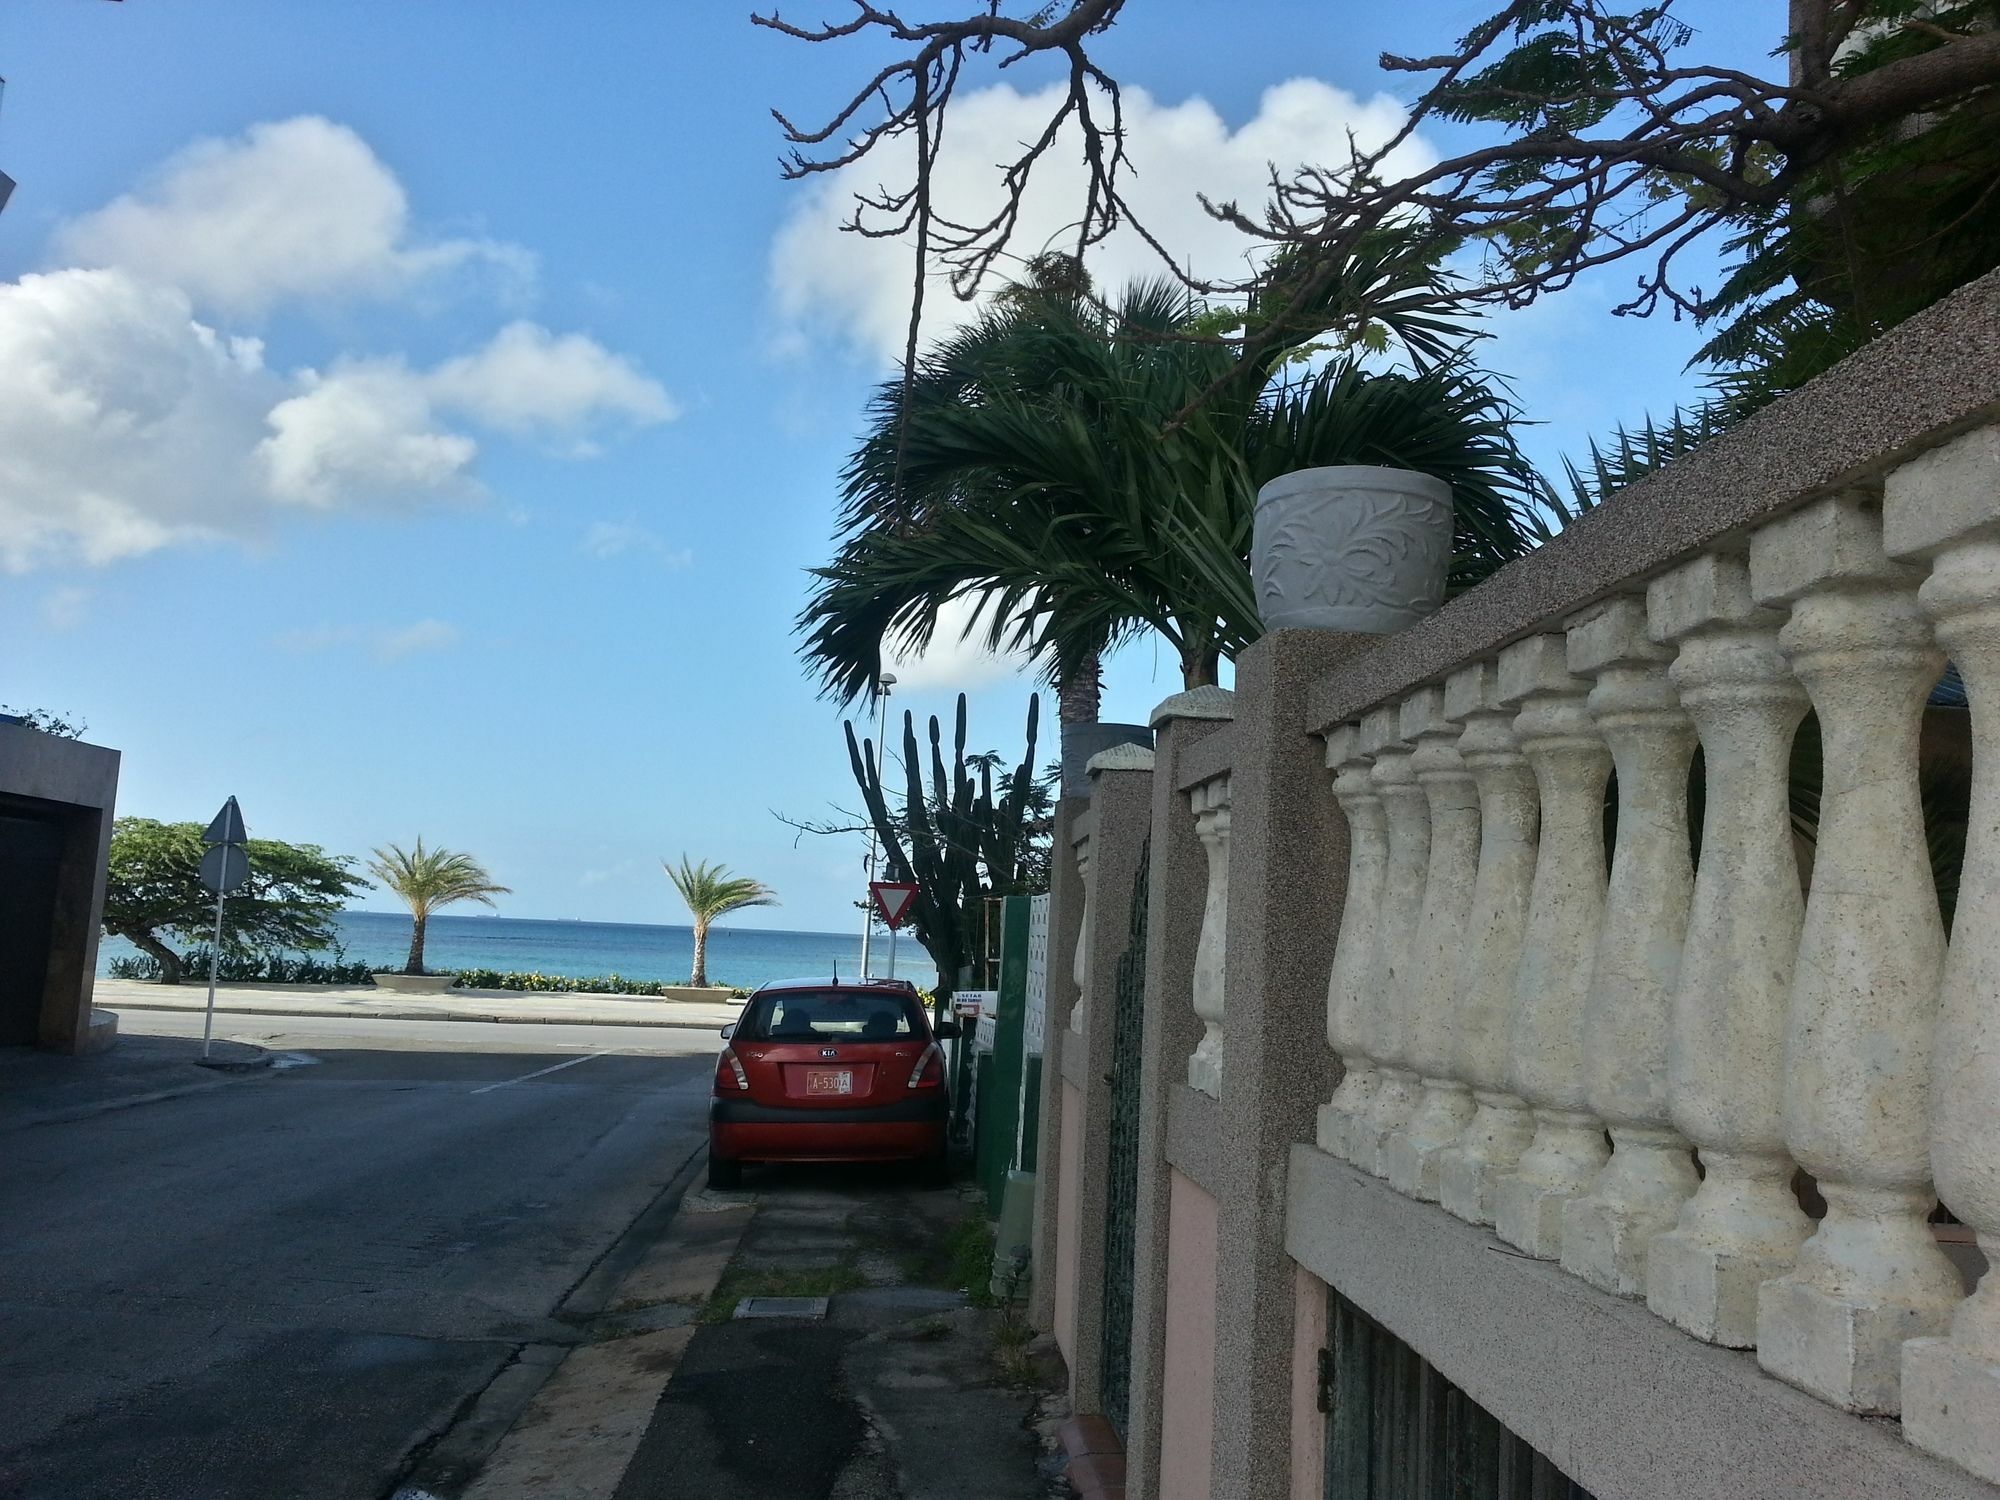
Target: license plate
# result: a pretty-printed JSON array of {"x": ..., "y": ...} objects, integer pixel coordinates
[{"x": 830, "y": 1081}]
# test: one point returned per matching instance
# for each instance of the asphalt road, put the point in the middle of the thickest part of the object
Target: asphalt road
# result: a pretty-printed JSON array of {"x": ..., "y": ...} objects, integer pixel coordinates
[{"x": 286, "y": 1283}]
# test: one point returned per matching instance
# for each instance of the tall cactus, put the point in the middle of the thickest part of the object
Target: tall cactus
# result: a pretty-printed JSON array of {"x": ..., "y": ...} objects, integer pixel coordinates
[{"x": 956, "y": 844}]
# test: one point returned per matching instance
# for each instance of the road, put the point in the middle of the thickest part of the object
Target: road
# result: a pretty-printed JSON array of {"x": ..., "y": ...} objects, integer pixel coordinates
[{"x": 285, "y": 1283}]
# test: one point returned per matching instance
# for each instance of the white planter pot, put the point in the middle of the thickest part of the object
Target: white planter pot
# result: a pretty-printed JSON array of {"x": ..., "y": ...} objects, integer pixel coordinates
[{"x": 1355, "y": 548}]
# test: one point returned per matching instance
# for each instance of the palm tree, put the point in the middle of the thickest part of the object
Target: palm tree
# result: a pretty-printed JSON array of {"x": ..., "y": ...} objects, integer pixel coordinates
[
  {"x": 710, "y": 892},
  {"x": 1086, "y": 474},
  {"x": 427, "y": 879}
]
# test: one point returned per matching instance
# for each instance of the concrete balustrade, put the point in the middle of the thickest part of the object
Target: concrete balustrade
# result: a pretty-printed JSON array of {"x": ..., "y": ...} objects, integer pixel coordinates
[
  {"x": 1406, "y": 812},
  {"x": 1864, "y": 999},
  {"x": 1629, "y": 1009},
  {"x": 1565, "y": 908},
  {"x": 1444, "y": 1106},
  {"x": 1354, "y": 957},
  {"x": 1725, "y": 1073},
  {"x": 1509, "y": 828},
  {"x": 1946, "y": 506},
  {"x": 1210, "y": 804}
]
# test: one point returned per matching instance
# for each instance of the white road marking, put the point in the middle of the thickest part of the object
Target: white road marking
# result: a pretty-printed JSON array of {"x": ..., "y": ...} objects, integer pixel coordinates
[
  {"x": 552, "y": 1068},
  {"x": 283, "y": 1060}
]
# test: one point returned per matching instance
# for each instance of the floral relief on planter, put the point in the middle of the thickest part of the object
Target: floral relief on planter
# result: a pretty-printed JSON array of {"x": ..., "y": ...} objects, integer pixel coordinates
[{"x": 1354, "y": 548}]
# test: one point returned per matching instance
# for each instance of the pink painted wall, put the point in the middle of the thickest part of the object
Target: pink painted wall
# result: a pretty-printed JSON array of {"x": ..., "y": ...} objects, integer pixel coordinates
[
  {"x": 1187, "y": 1406},
  {"x": 1308, "y": 1423},
  {"x": 1068, "y": 1182}
]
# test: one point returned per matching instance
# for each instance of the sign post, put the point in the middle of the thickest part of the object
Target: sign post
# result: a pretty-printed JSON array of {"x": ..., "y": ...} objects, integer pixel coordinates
[
  {"x": 893, "y": 899},
  {"x": 224, "y": 868}
]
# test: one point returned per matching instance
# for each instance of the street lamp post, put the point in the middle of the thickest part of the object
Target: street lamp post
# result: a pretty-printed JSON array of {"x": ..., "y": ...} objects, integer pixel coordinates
[{"x": 882, "y": 685}]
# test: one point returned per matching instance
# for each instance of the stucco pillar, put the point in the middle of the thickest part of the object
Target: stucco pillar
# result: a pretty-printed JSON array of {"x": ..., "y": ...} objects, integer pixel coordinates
[
  {"x": 1864, "y": 995},
  {"x": 1407, "y": 813},
  {"x": 1288, "y": 853},
  {"x": 1628, "y": 1013},
  {"x": 1065, "y": 922},
  {"x": 1209, "y": 803},
  {"x": 1725, "y": 1072},
  {"x": 1176, "y": 885},
  {"x": 1354, "y": 956},
  {"x": 1079, "y": 969},
  {"x": 1947, "y": 505},
  {"x": 1445, "y": 1105},
  {"x": 1121, "y": 810},
  {"x": 1565, "y": 909},
  {"x": 1510, "y": 815}
]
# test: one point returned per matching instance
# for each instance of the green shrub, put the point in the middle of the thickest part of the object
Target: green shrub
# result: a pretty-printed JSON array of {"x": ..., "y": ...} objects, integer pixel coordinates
[
  {"x": 252, "y": 968},
  {"x": 565, "y": 984}
]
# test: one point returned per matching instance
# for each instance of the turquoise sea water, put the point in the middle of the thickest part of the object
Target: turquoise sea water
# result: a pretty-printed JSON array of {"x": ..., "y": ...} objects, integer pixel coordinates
[{"x": 736, "y": 955}]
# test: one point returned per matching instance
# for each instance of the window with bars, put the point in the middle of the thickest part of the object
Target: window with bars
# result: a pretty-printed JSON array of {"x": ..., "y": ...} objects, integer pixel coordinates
[{"x": 1398, "y": 1430}]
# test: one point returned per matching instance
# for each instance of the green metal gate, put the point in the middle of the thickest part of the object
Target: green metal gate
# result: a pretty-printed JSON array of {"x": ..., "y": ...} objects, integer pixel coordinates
[
  {"x": 1398, "y": 1430},
  {"x": 1122, "y": 1200}
]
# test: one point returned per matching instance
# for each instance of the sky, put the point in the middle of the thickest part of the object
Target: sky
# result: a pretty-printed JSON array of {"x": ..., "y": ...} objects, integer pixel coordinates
[{"x": 419, "y": 418}]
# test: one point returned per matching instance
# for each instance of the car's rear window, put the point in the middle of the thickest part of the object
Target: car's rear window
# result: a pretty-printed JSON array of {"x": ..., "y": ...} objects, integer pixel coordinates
[{"x": 829, "y": 1015}]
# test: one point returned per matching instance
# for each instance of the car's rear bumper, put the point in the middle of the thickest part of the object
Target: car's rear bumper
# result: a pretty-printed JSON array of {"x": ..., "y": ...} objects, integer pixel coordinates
[{"x": 742, "y": 1131}]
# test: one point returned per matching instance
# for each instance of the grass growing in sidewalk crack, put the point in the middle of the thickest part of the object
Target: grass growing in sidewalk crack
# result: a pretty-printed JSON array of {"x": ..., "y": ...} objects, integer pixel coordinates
[
  {"x": 971, "y": 1265},
  {"x": 820, "y": 1281}
]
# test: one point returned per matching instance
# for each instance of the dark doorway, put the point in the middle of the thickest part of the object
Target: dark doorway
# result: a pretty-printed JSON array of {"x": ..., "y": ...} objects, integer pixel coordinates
[{"x": 31, "y": 850}]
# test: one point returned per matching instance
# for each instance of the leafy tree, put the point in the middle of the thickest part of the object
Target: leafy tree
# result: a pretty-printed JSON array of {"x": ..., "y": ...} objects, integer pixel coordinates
[
  {"x": 1065, "y": 473},
  {"x": 710, "y": 891},
  {"x": 154, "y": 894},
  {"x": 1856, "y": 186},
  {"x": 427, "y": 879}
]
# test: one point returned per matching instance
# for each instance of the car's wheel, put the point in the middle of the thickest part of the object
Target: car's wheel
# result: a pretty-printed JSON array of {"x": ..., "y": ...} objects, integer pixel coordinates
[{"x": 724, "y": 1173}]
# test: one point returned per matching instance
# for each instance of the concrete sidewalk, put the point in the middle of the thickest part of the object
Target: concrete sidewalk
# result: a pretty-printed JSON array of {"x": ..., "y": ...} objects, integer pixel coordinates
[
  {"x": 519, "y": 1007},
  {"x": 899, "y": 1389}
]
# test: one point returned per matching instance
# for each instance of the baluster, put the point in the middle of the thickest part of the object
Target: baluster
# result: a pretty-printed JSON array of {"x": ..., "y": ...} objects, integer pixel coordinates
[
  {"x": 1210, "y": 802},
  {"x": 1079, "y": 969},
  {"x": 1725, "y": 1077},
  {"x": 1865, "y": 986},
  {"x": 1565, "y": 906},
  {"x": 1509, "y": 822},
  {"x": 1354, "y": 957},
  {"x": 1628, "y": 1013},
  {"x": 1947, "y": 504},
  {"x": 1407, "y": 815},
  {"x": 1445, "y": 1104}
]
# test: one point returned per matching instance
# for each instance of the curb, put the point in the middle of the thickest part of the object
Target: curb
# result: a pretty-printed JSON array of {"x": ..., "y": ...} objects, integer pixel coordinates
[{"x": 398, "y": 1015}]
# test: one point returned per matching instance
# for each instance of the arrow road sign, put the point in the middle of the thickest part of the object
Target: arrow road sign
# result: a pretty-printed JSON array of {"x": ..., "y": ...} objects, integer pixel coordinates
[
  {"x": 225, "y": 867},
  {"x": 226, "y": 827},
  {"x": 892, "y": 898}
]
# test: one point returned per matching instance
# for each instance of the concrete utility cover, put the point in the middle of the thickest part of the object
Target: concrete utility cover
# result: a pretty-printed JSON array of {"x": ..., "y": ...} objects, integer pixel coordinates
[{"x": 781, "y": 1307}]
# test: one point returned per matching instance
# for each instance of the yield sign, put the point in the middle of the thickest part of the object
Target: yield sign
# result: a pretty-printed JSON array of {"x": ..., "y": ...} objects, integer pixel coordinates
[{"x": 892, "y": 899}]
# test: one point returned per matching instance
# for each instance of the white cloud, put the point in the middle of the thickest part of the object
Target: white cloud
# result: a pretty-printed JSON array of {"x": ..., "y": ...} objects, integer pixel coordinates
[
  {"x": 858, "y": 289},
  {"x": 364, "y": 429},
  {"x": 125, "y": 425},
  {"x": 384, "y": 642},
  {"x": 955, "y": 662},
  {"x": 605, "y": 540},
  {"x": 529, "y": 380},
  {"x": 130, "y": 421},
  {"x": 297, "y": 209}
]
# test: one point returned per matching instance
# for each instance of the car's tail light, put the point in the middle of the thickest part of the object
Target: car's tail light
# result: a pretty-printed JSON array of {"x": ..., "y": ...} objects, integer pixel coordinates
[
  {"x": 929, "y": 1071},
  {"x": 729, "y": 1072}
]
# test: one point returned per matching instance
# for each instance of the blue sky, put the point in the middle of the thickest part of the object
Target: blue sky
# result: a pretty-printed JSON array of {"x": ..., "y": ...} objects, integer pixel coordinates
[{"x": 418, "y": 418}]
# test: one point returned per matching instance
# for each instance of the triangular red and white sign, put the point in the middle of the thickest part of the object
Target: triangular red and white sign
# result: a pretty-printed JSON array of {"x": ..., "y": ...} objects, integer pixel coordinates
[{"x": 892, "y": 899}]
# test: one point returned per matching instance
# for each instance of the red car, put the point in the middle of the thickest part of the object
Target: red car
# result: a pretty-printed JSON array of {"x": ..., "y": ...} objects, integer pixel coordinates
[{"x": 830, "y": 1071}]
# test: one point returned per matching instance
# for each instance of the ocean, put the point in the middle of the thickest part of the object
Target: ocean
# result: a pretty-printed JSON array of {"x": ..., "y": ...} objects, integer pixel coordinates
[{"x": 746, "y": 956}]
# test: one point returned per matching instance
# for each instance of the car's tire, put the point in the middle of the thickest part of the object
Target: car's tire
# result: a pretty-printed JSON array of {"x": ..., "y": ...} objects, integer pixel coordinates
[{"x": 724, "y": 1174}]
